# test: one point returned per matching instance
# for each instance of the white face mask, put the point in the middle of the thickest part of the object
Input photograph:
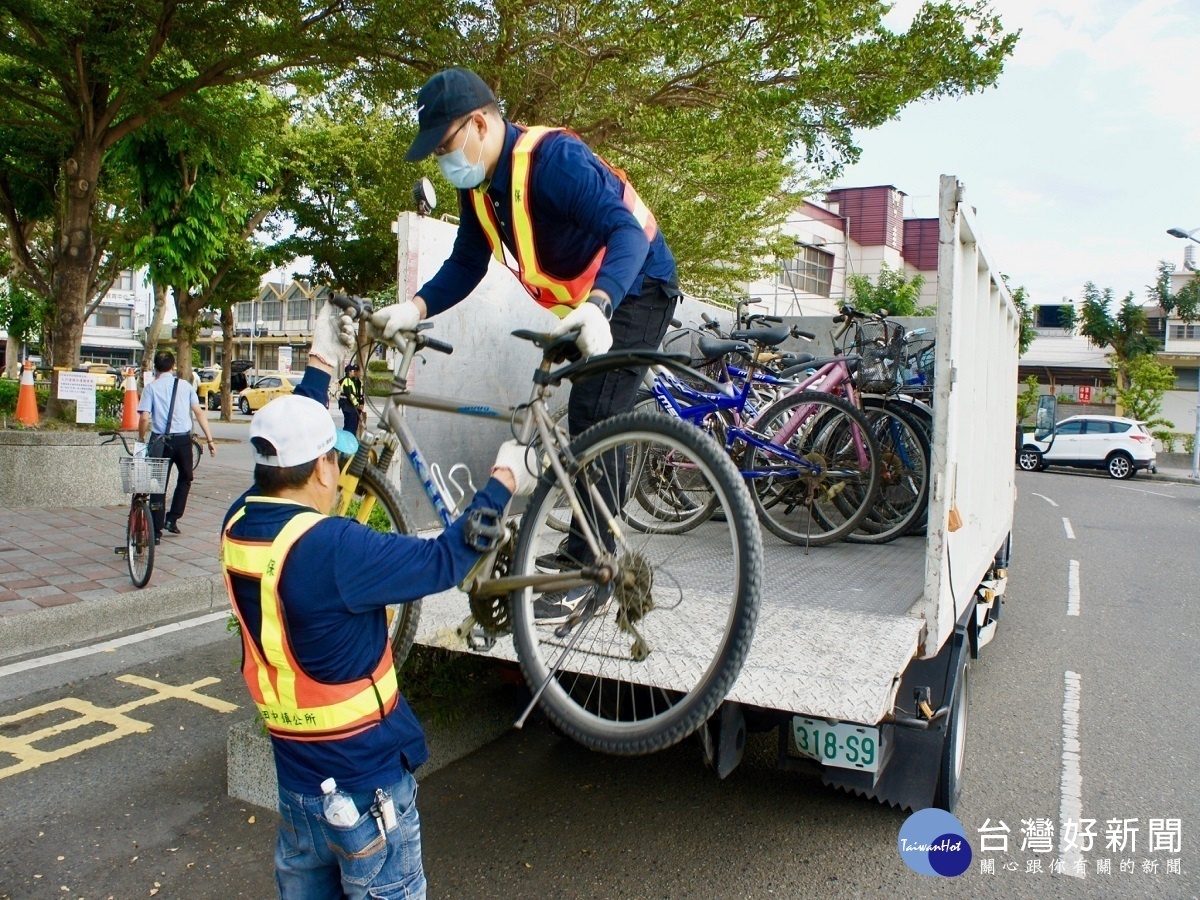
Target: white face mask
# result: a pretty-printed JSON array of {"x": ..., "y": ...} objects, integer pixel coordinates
[{"x": 460, "y": 172}]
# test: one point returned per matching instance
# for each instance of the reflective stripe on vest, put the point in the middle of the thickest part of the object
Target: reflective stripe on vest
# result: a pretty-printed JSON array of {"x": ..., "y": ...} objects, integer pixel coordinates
[
  {"x": 558, "y": 295},
  {"x": 293, "y": 704}
]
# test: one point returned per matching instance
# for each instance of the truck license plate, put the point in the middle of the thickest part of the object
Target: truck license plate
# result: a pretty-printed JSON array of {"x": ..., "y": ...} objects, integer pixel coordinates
[{"x": 845, "y": 745}]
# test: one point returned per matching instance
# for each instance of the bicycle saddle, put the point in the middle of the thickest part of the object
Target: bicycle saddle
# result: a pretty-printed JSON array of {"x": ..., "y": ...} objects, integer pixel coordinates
[
  {"x": 767, "y": 337},
  {"x": 714, "y": 348}
]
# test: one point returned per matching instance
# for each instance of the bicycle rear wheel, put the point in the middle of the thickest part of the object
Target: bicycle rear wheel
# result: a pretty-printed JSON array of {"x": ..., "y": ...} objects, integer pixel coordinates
[
  {"x": 139, "y": 542},
  {"x": 376, "y": 504},
  {"x": 197, "y": 454},
  {"x": 904, "y": 477},
  {"x": 822, "y": 499},
  {"x": 647, "y": 658}
]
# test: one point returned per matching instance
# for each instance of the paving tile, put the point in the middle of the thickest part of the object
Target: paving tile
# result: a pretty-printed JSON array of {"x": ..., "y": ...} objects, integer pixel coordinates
[
  {"x": 61, "y": 579},
  {"x": 20, "y": 584},
  {"x": 60, "y": 555},
  {"x": 7, "y": 595},
  {"x": 11, "y": 607},
  {"x": 56, "y": 600},
  {"x": 47, "y": 590},
  {"x": 98, "y": 594}
]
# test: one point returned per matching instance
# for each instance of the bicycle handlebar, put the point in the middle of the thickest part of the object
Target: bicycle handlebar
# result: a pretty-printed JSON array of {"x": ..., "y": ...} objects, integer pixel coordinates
[
  {"x": 114, "y": 435},
  {"x": 356, "y": 306}
]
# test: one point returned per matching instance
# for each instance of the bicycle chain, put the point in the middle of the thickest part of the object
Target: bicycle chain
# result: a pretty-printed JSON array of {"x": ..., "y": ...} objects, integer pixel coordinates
[{"x": 493, "y": 614}]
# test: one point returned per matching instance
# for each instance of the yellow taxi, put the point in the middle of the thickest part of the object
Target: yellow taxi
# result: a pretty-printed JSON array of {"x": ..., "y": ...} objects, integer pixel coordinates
[{"x": 265, "y": 389}]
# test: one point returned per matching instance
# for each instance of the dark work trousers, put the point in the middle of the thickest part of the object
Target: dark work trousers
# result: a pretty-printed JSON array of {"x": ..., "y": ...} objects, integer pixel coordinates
[
  {"x": 178, "y": 449},
  {"x": 350, "y": 419},
  {"x": 639, "y": 323}
]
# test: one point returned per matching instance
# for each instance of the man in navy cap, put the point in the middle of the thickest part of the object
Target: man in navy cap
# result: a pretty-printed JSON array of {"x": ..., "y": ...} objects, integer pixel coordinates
[{"x": 585, "y": 247}]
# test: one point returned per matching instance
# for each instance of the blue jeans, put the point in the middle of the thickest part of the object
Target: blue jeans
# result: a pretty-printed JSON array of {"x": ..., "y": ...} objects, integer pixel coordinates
[{"x": 316, "y": 861}]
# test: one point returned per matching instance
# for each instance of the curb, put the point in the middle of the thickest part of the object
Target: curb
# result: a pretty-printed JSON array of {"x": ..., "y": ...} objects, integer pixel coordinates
[
  {"x": 250, "y": 762},
  {"x": 57, "y": 627},
  {"x": 1175, "y": 479}
]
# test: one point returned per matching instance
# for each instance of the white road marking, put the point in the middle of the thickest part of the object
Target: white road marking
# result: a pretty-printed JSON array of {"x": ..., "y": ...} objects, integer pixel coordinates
[
  {"x": 1070, "y": 530},
  {"x": 1044, "y": 497},
  {"x": 1144, "y": 491},
  {"x": 1070, "y": 804},
  {"x": 105, "y": 646},
  {"x": 1073, "y": 589}
]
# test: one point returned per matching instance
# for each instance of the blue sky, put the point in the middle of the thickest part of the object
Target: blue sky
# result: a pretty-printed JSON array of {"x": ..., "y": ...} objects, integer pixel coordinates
[{"x": 1082, "y": 156}]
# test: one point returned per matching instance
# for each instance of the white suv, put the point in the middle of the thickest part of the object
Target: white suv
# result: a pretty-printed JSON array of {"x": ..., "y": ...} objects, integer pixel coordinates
[{"x": 1122, "y": 447}]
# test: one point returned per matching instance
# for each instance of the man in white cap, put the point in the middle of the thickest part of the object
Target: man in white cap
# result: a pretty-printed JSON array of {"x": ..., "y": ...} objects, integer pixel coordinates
[{"x": 310, "y": 592}]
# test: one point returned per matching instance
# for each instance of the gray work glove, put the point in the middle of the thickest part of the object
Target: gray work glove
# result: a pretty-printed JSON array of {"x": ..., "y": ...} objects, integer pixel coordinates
[
  {"x": 334, "y": 334},
  {"x": 522, "y": 461}
]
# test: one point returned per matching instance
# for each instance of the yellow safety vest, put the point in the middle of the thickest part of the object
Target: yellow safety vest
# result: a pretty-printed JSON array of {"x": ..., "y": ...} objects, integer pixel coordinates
[
  {"x": 293, "y": 704},
  {"x": 559, "y": 295}
]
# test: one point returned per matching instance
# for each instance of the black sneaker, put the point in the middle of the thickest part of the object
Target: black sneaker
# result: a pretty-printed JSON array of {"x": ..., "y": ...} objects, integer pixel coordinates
[
  {"x": 558, "y": 559},
  {"x": 173, "y": 527},
  {"x": 557, "y": 607}
]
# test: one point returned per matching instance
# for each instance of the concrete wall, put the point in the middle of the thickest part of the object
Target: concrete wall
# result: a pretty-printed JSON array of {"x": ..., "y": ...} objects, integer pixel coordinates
[{"x": 49, "y": 469}]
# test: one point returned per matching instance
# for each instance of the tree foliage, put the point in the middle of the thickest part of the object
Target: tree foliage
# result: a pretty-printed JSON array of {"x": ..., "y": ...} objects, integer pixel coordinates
[
  {"x": 1123, "y": 332},
  {"x": 1147, "y": 381},
  {"x": 891, "y": 292},
  {"x": 1027, "y": 332},
  {"x": 1183, "y": 304}
]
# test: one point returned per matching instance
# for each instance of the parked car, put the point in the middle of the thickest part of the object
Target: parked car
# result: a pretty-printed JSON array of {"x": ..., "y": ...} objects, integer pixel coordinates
[
  {"x": 209, "y": 391},
  {"x": 264, "y": 390},
  {"x": 1122, "y": 447}
]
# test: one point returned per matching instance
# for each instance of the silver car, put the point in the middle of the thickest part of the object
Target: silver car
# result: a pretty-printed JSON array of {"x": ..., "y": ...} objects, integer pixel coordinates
[{"x": 1121, "y": 447}]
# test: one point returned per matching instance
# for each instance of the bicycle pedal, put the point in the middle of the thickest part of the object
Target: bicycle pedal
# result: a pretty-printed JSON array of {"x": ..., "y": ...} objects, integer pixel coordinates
[{"x": 120, "y": 551}]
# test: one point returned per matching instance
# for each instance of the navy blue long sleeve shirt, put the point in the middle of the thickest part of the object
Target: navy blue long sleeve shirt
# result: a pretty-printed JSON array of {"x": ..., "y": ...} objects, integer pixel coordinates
[
  {"x": 336, "y": 583},
  {"x": 577, "y": 209}
]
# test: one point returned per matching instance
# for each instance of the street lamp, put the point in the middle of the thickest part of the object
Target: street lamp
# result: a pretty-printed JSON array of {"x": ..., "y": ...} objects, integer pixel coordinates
[{"x": 1191, "y": 236}]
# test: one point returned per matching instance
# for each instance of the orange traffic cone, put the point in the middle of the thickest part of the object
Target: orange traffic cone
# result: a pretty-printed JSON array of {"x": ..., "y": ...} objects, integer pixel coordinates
[
  {"x": 129, "y": 416},
  {"x": 27, "y": 413}
]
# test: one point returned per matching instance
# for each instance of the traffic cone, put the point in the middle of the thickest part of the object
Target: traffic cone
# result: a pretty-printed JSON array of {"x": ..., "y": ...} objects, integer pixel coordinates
[
  {"x": 129, "y": 416},
  {"x": 27, "y": 413}
]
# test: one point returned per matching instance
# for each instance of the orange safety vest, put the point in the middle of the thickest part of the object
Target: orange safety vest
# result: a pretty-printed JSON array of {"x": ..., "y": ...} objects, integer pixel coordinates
[
  {"x": 559, "y": 295},
  {"x": 293, "y": 704}
]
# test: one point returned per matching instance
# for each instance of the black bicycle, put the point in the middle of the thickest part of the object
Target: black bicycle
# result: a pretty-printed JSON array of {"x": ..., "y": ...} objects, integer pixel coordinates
[{"x": 140, "y": 478}]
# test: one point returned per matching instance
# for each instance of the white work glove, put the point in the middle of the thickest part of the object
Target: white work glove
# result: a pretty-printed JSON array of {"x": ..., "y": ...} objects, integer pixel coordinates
[
  {"x": 387, "y": 322},
  {"x": 521, "y": 460},
  {"x": 333, "y": 334},
  {"x": 595, "y": 335}
]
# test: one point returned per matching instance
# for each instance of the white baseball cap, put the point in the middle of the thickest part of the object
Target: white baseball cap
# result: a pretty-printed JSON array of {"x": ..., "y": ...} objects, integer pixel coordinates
[{"x": 299, "y": 429}]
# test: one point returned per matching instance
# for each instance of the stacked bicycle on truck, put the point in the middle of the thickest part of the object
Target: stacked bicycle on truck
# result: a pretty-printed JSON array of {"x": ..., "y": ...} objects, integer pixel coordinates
[{"x": 835, "y": 448}]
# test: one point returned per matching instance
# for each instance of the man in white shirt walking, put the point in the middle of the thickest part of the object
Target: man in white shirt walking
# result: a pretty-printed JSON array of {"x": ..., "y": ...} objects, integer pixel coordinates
[{"x": 169, "y": 425}]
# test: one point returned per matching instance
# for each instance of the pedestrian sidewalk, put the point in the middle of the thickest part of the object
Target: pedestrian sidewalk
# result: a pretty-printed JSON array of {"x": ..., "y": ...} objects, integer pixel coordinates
[{"x": 63, "y": 558}]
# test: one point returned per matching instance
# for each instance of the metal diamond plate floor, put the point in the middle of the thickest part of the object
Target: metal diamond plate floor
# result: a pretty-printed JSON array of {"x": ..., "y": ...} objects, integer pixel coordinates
[{"x": 833, "y": 632}]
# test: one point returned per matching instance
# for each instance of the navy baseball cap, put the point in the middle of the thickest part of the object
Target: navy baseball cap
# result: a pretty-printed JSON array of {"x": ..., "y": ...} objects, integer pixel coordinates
[{"x": 445, "y": 98}]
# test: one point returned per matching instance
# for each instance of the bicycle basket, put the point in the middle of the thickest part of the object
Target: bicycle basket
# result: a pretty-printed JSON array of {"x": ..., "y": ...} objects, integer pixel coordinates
[
  {"x": 140, "y": 475},
  {"x": 918, "y": 366},
  {"x": 880, "y": 346}
]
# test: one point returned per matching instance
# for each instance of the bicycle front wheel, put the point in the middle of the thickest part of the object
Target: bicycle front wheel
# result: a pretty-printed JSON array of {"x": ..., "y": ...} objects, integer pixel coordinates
[
  {"x": 139, "y": 542},
  {"x": 821, "y": 474},
  {"x": 376, "y": 504},
  {"x": 641, "y": 662},
  {"x": 904, "y": 476}
]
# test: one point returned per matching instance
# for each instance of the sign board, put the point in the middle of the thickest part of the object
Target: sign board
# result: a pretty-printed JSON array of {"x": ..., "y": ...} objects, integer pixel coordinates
[
  {"x": 1085, "y": 394},
  {"x": 80, "y": 387},
  {"x": 285, "y": 359}
]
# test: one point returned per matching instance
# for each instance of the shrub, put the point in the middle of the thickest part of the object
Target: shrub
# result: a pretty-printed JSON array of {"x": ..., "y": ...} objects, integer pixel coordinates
[{"x": 378, "y": 365}]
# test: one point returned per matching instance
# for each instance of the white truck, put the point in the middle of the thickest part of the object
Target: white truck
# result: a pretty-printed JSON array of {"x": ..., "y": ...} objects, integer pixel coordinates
[{"x": 862, "y": 655}]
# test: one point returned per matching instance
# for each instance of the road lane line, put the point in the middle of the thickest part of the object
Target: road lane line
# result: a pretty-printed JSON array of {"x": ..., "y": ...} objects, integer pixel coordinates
[
  {"x": 38, "y": 662},
  {"x": 1044, "y": 497},
  {"x": 1070, "y": 530},
  {"x": 1070, "y": 805},
  {"x": 1144, "y": 491},
  {"x": 1073, "y": 589}
]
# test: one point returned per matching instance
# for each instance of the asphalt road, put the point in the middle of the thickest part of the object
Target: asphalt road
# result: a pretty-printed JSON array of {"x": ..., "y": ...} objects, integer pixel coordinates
[{"x": 533, "y": 815}]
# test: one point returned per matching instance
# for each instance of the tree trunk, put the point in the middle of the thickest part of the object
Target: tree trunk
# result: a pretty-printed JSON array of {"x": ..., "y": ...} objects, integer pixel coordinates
[
  {"x": 155, "y": 327},
  {"x": 187, "y": 311},
  {"x": 227, "y": 360},
  {"x": 77, "y": 257}
]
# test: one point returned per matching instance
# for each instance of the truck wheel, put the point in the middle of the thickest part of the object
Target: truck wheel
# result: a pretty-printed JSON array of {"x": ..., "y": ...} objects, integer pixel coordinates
[
  {"x": 1029, "y": 460},
  {"x": 1120, "y": 465},
  {"x": 954, "y": 748}
]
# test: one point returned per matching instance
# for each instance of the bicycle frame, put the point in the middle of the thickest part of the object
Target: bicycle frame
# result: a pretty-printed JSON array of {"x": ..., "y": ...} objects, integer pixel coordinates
[{"x": 527, "y": 420}]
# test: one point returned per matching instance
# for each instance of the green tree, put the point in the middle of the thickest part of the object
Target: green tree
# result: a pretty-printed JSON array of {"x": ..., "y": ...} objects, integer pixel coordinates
[
  {"x": 1184, "y": 304},
  {"x": 1124, "y": 333},
  {"x": 1027, "y": 332},
  {"x": 78, "y": 78},
  {"x": 1148, "y": 380},
  {"x": 723, "y": 117},
  {"x": 892, "y": 292},
  {"x": 1028, "y": 397}
]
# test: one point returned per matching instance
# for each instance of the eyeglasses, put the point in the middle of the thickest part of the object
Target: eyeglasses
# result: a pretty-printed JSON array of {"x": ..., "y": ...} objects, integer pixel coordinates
[{"x": 445, "y": 145}]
